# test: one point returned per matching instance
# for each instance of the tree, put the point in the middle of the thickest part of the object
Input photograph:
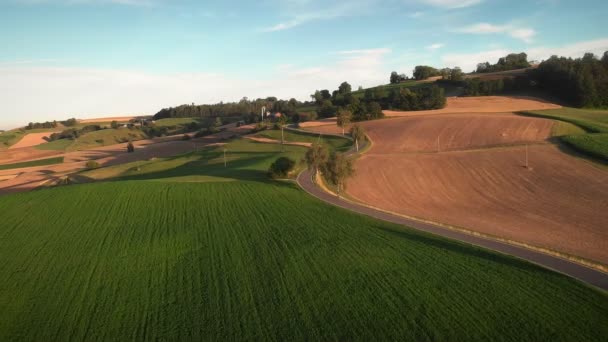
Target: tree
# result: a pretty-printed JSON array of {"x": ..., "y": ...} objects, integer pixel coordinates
[
  {"x": 339, "y": 168},
  {"x": 130, "y": 147},
  {"x": 357, "y": 132},
  {"x": 327, "y": 109},
  {"x": 281, "y": 167},
  {"x": 281, "y": 121},
  {"x": 114, "y": 124},
  {"x": 316, "y": 157},
  {"x": 394, "y": 77},
  {"x": 344, "y": 88},
  {"x": 375, "y": 110},
  {"x": 456, "y": 74},
  {"x": 217, "y": 124},
  {"x": 344, "y": 118},
  {"x": 422, "y": 72},
  {"x": 91, "y": 164},
  {"x": 295, "y": 118}
]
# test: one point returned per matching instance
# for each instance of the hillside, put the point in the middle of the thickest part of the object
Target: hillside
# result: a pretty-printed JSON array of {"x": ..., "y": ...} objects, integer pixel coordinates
[{"x": 171, "y": 253}]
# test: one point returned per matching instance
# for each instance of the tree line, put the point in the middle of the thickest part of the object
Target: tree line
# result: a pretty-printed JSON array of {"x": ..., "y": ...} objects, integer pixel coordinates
[
  {"x": 374, "y": 100},
  {"x": 512, "y": 61},
  {"x": 582, "y": 82}
]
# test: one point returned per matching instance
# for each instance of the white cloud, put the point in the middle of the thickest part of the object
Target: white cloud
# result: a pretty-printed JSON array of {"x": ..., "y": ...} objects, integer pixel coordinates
[
  {"x": 435, "y": 46},
  {"x": 85, "y": 2},
  {"x": 468, "y": 61},
  {"x": 452, "y": 3},
  {"x": 38, "y": 93},
  {"x": 521, "y": 33},
  {"x": 597, "y": 47}
]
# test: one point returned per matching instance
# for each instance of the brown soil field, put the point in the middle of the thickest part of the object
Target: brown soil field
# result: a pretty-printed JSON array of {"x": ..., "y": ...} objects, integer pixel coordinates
[
  {"x": 33, "y": 177},
  {"x": 18, "y": 155},
  {"x": 453, "y": 132},
  {"x": 108, "y": 119},
  {"x": 559, "y": 204},
  {"x": 482, "y": 104},
  {"x": 31, "y": 139}
]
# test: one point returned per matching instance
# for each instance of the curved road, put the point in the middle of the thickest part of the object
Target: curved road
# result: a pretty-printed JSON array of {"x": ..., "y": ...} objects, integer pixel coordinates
[{"x": 591, "y": 276}]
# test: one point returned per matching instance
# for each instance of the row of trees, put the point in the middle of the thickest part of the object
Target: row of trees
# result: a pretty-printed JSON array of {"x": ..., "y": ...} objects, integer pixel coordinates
[
  {"x": 512, "y": 61},
  {"x": 248, "y": 110},
  {"x": 335, "y": 167},
  {"x": 74, "y": 133},
  {"x": 374, "y": 100},
  {"x": 481, "y": 87},
  {"x": 38, "y": 125},
  {"x": 581, "y": 82}
]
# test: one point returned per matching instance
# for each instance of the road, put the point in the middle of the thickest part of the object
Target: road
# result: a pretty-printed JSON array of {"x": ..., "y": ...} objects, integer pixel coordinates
[{"x": 591, "y": 276}]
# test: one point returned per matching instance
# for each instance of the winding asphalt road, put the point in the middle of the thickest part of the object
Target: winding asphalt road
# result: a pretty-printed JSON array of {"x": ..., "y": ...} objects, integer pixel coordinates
[{"x": 591, "y": 276}]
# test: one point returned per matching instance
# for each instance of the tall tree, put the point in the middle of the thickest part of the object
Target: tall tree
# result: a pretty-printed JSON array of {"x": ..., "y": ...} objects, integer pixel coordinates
[
  {"x": 344, "y": 118},
  {"x": 394, "y": 77},
  {"x": 344, "y": 88},
  {"x": 316, "y": 157},
  {"x": 339, "y": 169},
  {"x": 357, "y": 132}
]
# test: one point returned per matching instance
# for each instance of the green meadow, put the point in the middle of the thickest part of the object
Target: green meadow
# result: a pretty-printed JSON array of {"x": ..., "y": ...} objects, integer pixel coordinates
[{"x": 184, "y": 248}]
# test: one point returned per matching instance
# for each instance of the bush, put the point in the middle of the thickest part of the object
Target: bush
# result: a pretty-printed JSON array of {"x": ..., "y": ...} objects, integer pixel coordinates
[
  {"x": 91, "y": 164},
  {"x": 202, "y": 133},
  {"x": 281, "y": 167},
  {"x": 130, "y": 147},
  {"x": 114, "y": 124},
  {"x": 186, "y": 137}
]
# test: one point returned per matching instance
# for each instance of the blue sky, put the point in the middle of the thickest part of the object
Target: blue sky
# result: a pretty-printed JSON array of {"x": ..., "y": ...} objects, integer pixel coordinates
[{"x": 88, "y": 58}]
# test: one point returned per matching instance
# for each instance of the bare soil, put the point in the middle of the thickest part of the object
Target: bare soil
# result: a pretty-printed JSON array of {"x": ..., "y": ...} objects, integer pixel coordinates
[
  {"x": 31, "y": 139},
  {"x": 482, "y": 104},
  {"x": 559, "y": 203}
]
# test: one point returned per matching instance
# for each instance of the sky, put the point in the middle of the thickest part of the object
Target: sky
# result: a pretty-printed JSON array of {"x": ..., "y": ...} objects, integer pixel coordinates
[{"x": 96, "y": 58}]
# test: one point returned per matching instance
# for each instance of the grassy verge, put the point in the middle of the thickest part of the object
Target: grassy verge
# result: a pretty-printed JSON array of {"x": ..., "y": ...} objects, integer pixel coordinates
[
  {"x": 589, "y": 137},
  {"x": 41, "y": 162},
  {"x": 333, "y": 142}
]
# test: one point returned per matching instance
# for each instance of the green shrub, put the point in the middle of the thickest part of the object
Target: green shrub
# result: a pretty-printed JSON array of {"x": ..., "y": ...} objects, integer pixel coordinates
[
  {"x": 91, "y": 164},
  {"x": 130, "y": 147},
  {"x": 281, "y": 167}
]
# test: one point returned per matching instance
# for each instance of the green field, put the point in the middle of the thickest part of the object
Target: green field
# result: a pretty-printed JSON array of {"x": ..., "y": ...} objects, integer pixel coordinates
[
  {"x": 41, "y": 162},
  {"x": 185, "y": 249},
  {"x": 333, "y": 142},
  {"x": 591, "y": 137},
  {"x": 94, "y": 139},
  {"x": 170, "y": 122}
]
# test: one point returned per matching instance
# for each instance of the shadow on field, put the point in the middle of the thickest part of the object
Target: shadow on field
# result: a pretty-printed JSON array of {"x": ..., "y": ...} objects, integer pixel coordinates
[
  {"x": 464, "y": 249},
  {"x": 240, "y": 166}
]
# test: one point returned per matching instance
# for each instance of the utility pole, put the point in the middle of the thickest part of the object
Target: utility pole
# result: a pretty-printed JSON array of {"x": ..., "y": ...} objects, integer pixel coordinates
[
  {"x": 357, "y": 144},
  {"x": 438, "y": 144},
  {"x": 527, "y": 164}
]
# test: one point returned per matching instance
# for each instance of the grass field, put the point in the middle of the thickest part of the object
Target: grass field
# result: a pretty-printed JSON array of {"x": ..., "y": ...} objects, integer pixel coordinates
[
  {"x": 149, "y": 256},
  {"x": 170, "y": 122},
  {"x": 41, "y": 162},
  {"x": 593, "y": 122},
  {"x": 336, "y": 143},
  {"x": 100, "y": 138}
]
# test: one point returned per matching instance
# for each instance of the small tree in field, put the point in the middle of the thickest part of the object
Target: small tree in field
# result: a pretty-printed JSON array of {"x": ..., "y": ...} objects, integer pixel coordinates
[
  {"x": 316, "y": 157},
  {"x": 130, "y": 147},
  {"x": 114, "y": 124},
  {"x": 357, "y": 132},
  {"x": 339, "y": 169},
  {"x": 281, "y": 167},
  {"x": 344, "y": 118}
]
